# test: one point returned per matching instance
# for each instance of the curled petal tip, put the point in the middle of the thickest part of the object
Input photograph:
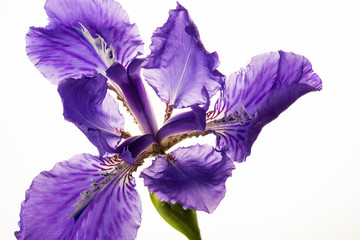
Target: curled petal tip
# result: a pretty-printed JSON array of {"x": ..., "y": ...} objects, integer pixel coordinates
[{"x": 256, "y": 95}]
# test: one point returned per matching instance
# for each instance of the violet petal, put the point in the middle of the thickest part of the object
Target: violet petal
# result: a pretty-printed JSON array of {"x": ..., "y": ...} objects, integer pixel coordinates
[
  {"x": 179, "y": 66},
  {"x": 54, "y": 208},
  {"x": 133, "y": 90},
  {"x": 88, "y": 105},
  {"x": 255, "y": 96},
  {"x": 82, "y": 36},
  {"x": 134, "y": 146},
  {"x": 194, "y": 177},
  {"x": 194, "y": 120}
]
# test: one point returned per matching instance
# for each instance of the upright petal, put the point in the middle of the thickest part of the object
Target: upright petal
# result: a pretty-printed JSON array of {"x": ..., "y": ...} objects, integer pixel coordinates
[
  {"x": 194, "y": 177},
  {"x": 132, "y": 89},
  {"x": 54, "y": 208},
  {"x": 82, "y": 36},
  {"x": 88, "y": 105},
  {"x": 179, "y": 66},
  {"x": 257, "y": 95}
]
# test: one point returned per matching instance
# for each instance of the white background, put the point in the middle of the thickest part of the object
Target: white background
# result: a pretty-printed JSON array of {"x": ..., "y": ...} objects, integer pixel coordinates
[{"x": 302, "y": 180}]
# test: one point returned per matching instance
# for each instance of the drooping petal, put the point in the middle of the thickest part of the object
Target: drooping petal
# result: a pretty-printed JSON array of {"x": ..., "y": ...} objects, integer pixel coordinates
[
  {"x": 194, "y": 177},
  {"x": 132, "y": 89},
  {"x": 54, "y": 208},
  {"x": 115, "y": 212},
  {"x": 88, "y": 105},
  {"x": 59, "y": 52},
  {"x": 82, "y": 36},
  {"x": 179, "y": 66},
  {"x": 104, "y": 18},
  {"x": 255, "y": 96}
]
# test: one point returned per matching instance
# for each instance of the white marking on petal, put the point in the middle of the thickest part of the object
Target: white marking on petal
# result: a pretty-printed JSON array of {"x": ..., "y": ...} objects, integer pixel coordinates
[
  {"x": 179, "y": 82},
  {"x": 107, "y": 54},
  {"x": 119, "y": 171},
  {"x": 236, "y": 116}
]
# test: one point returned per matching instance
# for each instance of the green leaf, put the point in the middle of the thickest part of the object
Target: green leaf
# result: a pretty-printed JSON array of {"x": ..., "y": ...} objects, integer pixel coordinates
[{"x": 185, "y": 221}]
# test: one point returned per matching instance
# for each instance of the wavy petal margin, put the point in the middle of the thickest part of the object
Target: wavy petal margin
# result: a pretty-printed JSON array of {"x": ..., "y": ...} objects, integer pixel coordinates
[
  {"x": 82, "y": 36},
  {"x": 255, "y": 96},
  {"x": 54, "y": 208},
  {"x": 179, "y": 66},
  {"x": 194, "y": 177}
]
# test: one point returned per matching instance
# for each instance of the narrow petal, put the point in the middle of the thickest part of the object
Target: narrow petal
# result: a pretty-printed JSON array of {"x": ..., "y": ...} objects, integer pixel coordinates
[
  {"x": 181, "y": 126},
  {"x": 132, "y": 89},
  {"x": 179, "y": 66},
  {"x": 135, "y": 147},
  {"x": 255, "y": 96},
  {"x": 194, "y": 177},
  {"x": 82, "y": 36},
  {"x": 88, "y": 105},
  {"x": 54, "y": 208}
]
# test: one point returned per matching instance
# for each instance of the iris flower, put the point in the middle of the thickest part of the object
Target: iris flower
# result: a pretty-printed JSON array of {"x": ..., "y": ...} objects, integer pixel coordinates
[{"x": 89, "y": 49}]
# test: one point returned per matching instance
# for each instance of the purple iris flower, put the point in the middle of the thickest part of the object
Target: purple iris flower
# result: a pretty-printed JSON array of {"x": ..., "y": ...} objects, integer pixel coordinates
[{"x": 89, "y": 49}]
